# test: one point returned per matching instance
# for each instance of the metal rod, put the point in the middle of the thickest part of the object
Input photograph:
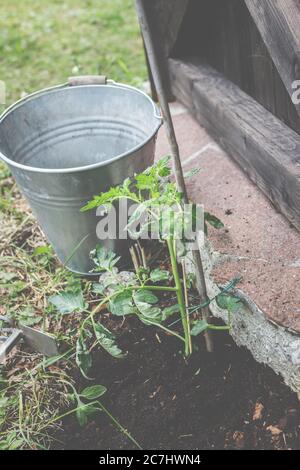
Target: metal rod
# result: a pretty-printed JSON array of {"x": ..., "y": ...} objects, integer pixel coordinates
[
  {"x": 154, "y": 66},
  {"x": 10, "y": 342}
]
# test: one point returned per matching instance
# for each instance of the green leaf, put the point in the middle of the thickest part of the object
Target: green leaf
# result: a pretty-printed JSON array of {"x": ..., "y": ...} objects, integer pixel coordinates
[
  {"x": 162, "y": 167},
  {"x": 12, "y": 442},
  {"x": 108, "y": 197},
  {"x": 121, "y": 304},
  {"x": 104, "y": 259},
  {"x": 14, "y": 288},
  {"x": 4, "y": 170},
  {"x": 191, "y": 173},
  {"x": 85, "y": 411},
  {"x": 144, "y": 295},
  {"x": 231, "y": 284},
  {"x": 107, "y": 340},
  {"x": 168, "y": 311},
  {"x": 198, "y": 327},
  {"x": 52, "y": 360},
  {"x": 68, "y": 302},
  {"x": 142, "y": 273},
  {"x": 158, "y": 275},
  {"x": 148, "y": 311},
  {"x": 6, "y": 277},
  {"x": 16, "y": 444},
  {"x": 93, "y": 392},
  {"x": 83, "y": 357},
  {"x": 213, "y": 220},
  {"x": 144, "y": 299},
  {"x": 190, "y": 280},
  {"x": 228, "y": 302},
  {"x": 137, "y": 215},
  {"x": 4, "y": 402},
  {"x": 27, "y": 321},
  {"x": 43, "y": 250},
  {"x": 144, "y": 181},
  {"x": 98, "y": 288},
  {"x": 110, "y": 279},
  {"x": 28, "y": 317}
]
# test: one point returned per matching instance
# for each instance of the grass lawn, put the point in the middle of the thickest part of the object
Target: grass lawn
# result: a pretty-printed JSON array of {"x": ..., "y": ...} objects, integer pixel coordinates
[{"x": 41, "y": 44}]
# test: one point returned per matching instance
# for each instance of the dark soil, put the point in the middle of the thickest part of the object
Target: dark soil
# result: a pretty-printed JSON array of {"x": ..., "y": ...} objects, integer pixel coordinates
[{"x": 167, "y": 402}]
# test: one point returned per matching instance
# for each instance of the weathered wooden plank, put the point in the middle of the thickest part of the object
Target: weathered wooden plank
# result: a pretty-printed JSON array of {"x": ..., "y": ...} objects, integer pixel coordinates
[
  {"x": 169, "y": 15},
  {"x": 154, "y": 25},
  {"x": 224, "y": 34},
  {"x": 164, "y": 18},
  {"x": 266, "y": 149},
  {"x": 278, "y": 22}
]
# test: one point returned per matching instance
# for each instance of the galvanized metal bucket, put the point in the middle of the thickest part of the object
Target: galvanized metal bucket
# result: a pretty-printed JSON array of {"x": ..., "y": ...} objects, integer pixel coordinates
[{"x": 67, "y": 143}]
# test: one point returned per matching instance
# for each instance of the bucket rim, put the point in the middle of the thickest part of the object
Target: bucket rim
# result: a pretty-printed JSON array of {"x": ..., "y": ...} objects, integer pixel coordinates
[{"x": 109, "y": 84}]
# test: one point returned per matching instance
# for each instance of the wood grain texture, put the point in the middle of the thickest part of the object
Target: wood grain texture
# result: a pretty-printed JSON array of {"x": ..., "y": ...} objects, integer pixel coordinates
[
  {"x": 265, "y": 148},
  {"x": 278, "y": 22},
  {"x": 155, "y": 32},
  {"x": 169, "y": 15},
  {"x": 224, "y": 34},
  {"x": 164, "y": 18}
]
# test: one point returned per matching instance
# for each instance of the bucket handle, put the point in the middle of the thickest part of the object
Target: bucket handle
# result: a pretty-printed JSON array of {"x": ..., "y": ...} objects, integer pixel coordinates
[
  {"x": 81, "y": 80},
  {"x": 156, "y": 109},
  {"x": 87, "y": 80}
]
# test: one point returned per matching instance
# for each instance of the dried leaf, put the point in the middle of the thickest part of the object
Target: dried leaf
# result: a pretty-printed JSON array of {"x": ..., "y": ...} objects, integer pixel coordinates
[
  {"x": 258, "y": 411},
  {"x": 274, "y": 430},
  {"x": 239, "y": 439}
]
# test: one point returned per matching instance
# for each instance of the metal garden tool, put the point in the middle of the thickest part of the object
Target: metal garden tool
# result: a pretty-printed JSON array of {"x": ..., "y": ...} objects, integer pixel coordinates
[{"x": 10, "y": 336}]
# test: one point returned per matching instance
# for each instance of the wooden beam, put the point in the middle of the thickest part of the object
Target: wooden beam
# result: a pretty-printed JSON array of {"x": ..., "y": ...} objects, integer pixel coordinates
[
  {"x": 169, "y": 15},
  {"x": 278, "y": 22},
  {"x": 164, "y": 18},
  {"x": 265, "y": 148}
]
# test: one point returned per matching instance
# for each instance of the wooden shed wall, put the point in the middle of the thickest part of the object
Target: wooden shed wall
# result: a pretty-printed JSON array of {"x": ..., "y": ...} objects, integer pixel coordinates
[{"x": 223, "y": 33}]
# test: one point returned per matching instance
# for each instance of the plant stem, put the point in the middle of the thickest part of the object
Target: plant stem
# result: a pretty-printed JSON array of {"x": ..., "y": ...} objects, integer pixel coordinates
[
  {"x": 119, "y": 426},
  {"x": 159, "y": 325},
  {"x": 143, "y": 18},
  {"x": 186, "y": 300},
  {"x": 101, "y": 408},
  {"x": 161, "y": 288},
  {"x": 107, "y": 299},
  {"x": 219, "y": 328},
  {"x": 180, "y": 296},
  {"x": 134, "y": 259}
]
